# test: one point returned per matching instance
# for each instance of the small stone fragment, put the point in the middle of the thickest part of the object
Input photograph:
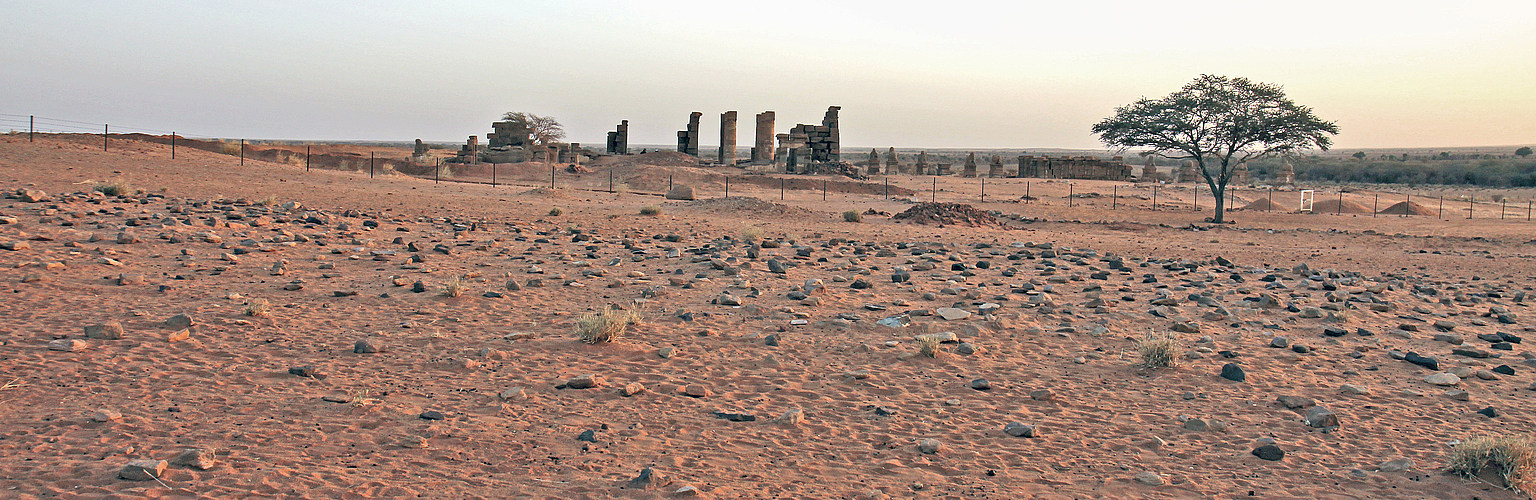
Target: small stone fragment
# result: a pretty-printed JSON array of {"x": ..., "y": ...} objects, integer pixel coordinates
[{"x": 142, "y": 470}]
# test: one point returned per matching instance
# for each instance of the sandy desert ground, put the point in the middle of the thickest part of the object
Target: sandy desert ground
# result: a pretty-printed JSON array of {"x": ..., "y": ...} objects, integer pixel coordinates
[{"x": 777, "y": 355}]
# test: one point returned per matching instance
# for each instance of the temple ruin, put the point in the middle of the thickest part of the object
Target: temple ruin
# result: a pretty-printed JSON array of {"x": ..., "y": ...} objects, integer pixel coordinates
[
  {"x": 995, "y": 169},
  {"x": 872, "y": 167},
  {"x": 892, "y": 166},
  {"x": 762, "y": 148},
  {"x": 1287, "y": 174},
  {"x": 1073, "y": 167},
  {"x": 688, "y": 139},
  {"x": 969, "y": 170},
  {"x": 618, "y": 140},
  {"x": 812, "y": 144},
  {"x": 728, "y": 138}
]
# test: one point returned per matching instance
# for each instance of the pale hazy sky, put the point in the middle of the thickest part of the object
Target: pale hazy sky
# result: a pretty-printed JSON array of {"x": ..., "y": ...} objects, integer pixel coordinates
[{"x": 907, "y": 74}]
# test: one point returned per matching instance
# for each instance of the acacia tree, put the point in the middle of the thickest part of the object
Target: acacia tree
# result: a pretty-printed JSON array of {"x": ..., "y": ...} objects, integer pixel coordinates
[
  {"x": 542, "y": 130},
  {"x": 1523, "y": 152},
  {"x": 1219, "y": 123}
]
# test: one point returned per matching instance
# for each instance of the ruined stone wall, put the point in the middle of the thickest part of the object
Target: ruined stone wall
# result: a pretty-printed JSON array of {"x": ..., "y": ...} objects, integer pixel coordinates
[
  {"x": 509, "y": 133},
  {"x": 618, "y": 140},
  {"x": 1072, "y": 167},
  {"x": 688, "y": 139}
]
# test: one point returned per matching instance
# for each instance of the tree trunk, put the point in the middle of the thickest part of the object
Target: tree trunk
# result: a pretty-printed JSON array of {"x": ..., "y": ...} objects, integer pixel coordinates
[{"x": 1221, "y": 203}]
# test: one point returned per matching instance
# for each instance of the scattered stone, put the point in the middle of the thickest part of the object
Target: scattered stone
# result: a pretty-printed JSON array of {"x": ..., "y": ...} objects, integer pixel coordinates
[
  {"x": 632, "y": 389},
  {"x": 1488, "y": 412},
  {"x": 1322, "y": 418},
  {"x": 197, "y": 458},
  {"x": 110, "y": 330},
  {"x": 791, "y": 417},
  {"x": 432, "y": 415},
  {"x": 1443, "y": 379},
  {"x": 647, "y": 479},
  {"x": 366, "y": 346},
  {"x": 1233, "y": 372},
  {"x": 1355, "y": 390},
  {"x": 587, "y": 381},
  {"x": 696, "y": 391},
  {"x": 1269, "y": 452},
  {"x": 929, "y": 446},
  {"x": 142, "y": 470},
  {"x": 103, "y": 416},
  {"x": 179, "y": 322},
  {"x": 1424, "y": 361},
  {"x": 1019, "y": 429},
  {"x": 1042, "y": 395},
  {"x": 1149, "y": 478},
  {"x": 1396, "y": 465},
  {"x": 952, "y": 314},
  {"x": 1294, "y": 402},
  {"x": 981, "y": 384},
  {"x": 67, "y": 345},
  {"x": 310, "y": 371},
  {"x": 736, "y": 417},
  {"x": 1279, "y": 342}
]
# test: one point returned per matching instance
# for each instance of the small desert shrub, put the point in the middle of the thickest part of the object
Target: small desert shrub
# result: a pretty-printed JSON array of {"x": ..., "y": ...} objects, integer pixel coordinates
[
  {"x": 269, "y": 201},
  {"x": 114, "y": 188},
  {"x": 928, "y": 345},
  {"x": 607, "y": 324},
  {"x": 652, "y": 210},
  {"x": 751, "y": 233},
  {"x": 1158, "y": 351},
  {"x": 230, "y": 148},
  {"x": 852, "y": 216},
  {"x": 556, "y": 212},
  {"x": 1513, "y": 458},
  {"x": 257, "y": 308},
  {"x": 454, "y": 287}
]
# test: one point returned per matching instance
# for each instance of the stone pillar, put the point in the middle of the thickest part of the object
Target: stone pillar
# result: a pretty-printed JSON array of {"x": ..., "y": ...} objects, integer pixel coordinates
[
  {"x": 1149, "y": 170},
  {"x": 762, "y": 148},
  {"x": 891, "y": 165},
  {"x": 969, "y": 170},
  {"x": 421, "y": 149},
  {"x": 834, "y": 150},
  {"x": 922, "y": 163},
  {"x": 1287, "y": 174},
  {"x": 688, "y": 139},
  {"x": 728, "y": 138},
  {"x": 1187, "y": 172},
  {"x": 1239, "y": 174},
  {"x": 618, "y": 140},
  {"x": 996, "y": 168}
]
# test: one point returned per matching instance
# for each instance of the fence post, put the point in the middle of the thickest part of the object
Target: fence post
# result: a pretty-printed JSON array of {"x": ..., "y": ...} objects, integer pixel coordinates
[
  {"x": 727, "y": 186},
  {"x": 173, "y": 146},
  {"x": 242, "y": 157},
  {"x": 1114, "y": 199},
  {"x": 781, "y": 189},
  {"x": 435, "y": 168},
  {"x": 493, "y": 174},
  {"x": 552, "y": 177},
  {"x": 1375, "y": 203},
  {"x": 1442, "y": 207},
  {"x": 1026, "y": 191},
  {"x": 1527, "y": 210},
  {"x": 933, "y": 196},
  {"x": 1070, "y": 187},
  {"x": 823, "y": 190},
  {"x": 1197, "y": 198},
  {"x": 104, "y": 132},
  {"x": 984, "y": 189},
  {"x": 1154, "y": 196},
  {"x": 610, "y": 178},
  {"x": 887, "y": 188},
  {"x": 552, "y": 180},
  {"x": 306, "y": 158},
  {"x": 31, "y": 127},
  {"x": 1340, "y": 210},
  {"x": 1502, "y": 203},
  {"x": 1407, "y": 205},
  {"x": 1469, "y": 206},
  {"x": 370, "y": 165}
]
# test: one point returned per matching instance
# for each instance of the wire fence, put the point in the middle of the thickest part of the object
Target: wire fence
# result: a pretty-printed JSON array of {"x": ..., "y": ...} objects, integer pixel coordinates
[{"x": 1111, "y": 195}]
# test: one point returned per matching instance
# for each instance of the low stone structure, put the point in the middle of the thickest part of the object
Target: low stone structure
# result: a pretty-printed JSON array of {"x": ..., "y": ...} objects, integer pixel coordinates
[
  {"x": 1287, "y": 174},
  {"x": 420, "y": 150},
  {"x": 812, "y": 144},
  {"x": 970, "y": 166},
  {"x": 509, "y": 133},
  {"x": 995, "y": 169},
  {"x": 872, "y": 167},
  {"x": 1188, "y": 172},
  {"x": 892, "y": 166},
  {"x": 1240, "y": 174},
  {"x": 1073, "y": 167},
  {"x": 921, "y": 168}
]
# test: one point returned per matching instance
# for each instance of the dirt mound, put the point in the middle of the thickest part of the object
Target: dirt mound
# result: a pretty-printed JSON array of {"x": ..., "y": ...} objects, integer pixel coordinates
[
  {"x": 1334, "y": 207},
  {"x": 1264, "y": 204},
  {"x": 1407, "y": 208},
  {"x": 947, "y": 214},
  {"x": 577, "y": 169},
  {"x": 544, "y": 192},
  {"x": 747, "y": 205}
]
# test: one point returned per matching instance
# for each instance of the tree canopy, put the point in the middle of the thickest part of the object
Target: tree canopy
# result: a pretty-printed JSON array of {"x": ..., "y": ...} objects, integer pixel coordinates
[
  {"x": 1523, "y": 151},
  {"x": 543, "y": 130},
  {"x": 1218, "y": 122}
]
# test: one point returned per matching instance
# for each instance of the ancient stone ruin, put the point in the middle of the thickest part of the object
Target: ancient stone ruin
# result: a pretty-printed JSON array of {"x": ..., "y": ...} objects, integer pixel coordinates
[
  {"x": 1073, "y": 167},
  {"x": 688, "y": 139},
  {"x": 1287, "y": 174},
  {"x": 872, "y": 167},
  {"x": 470, "y": 151},
  {"x": 812, "y": 144},
  {"x": 762, "y": 148},
  {"x": 922, "y": 164},
  {"x": 891, "y": 164},
  {"x": 728, "y": 138},
  {"x": 420, "y": 151},
  {"x": 618, "y": 140},
  {"x": 1240, "y": 174},
  {"x": 509, "y": 134},
  {"x": 1188, "y": 172},
  {"x": 995, "y": 169},
  {"x": 970, "y": 166}
]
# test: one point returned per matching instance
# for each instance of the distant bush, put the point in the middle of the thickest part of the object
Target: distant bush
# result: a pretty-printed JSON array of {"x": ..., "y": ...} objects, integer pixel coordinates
[
  {"x": 650, "y": 210},
  {"x": 555, "y": 212},
  {"x": 852, "y": 216},
  {"x": 1463, "y": 170},
  {"x": 1158, "y": 351}
]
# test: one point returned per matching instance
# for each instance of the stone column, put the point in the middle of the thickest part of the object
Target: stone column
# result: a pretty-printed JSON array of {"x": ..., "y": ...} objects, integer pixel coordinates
[
  {"x": 762, "y": 148},
  {"x": 688, "y": 139},
  {"x": 969, "y": 170},
  {"x": 728, "y": 138},
  {"x": 834, "y": 138},
  {"x": 891, "y": 164}
]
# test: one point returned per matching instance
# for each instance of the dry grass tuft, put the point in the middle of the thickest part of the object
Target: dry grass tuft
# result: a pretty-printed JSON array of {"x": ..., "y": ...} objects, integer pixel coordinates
[
  {"x": 258, "y": 308},
  {"x": 454, "y": 287},
  {"x": 852, "y": 216},
  {"x": 114, "y": 188},
  {"x": 928, "y": 345},
  {"x": 651, "y": 210},
  {"x": 1511, "y": 459},
  {"x": 556, "y": 212},
  {"x": 1158, "y": 351},
  {"x": 750, "y": 233},
  {"x": 607, "y": 324}
]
